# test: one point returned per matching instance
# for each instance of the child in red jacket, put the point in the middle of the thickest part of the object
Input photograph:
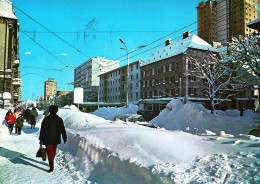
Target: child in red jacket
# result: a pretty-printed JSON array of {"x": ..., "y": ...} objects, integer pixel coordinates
[{"x": 10, "y": 119}]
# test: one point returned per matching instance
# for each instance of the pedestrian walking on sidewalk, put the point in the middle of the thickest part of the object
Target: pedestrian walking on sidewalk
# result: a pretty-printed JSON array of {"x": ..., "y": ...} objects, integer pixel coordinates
[
  {"x": 33, "y": 117},
  {"x": 27, "y": 114},
  {"x": 17, "y": 113},
  {"x": 10, "y": 119},
  {"x": 50, "y": 134},
  {"x": 19, "y": 123}
]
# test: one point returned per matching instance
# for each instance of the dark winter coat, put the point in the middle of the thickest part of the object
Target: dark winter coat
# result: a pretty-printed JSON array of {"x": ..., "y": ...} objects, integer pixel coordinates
[
  {"x": 10, "y": 119},
  {"x": 19, "y": 122},
  {"x": 26, "y": 114},
  {"x": 33, "y": 116},
  {"x": 51, "y": 130}
]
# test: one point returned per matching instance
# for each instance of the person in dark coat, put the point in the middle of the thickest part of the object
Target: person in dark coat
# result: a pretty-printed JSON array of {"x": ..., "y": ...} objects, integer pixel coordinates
[
  {"x": 50, "y": 134},
  {"x": 27, "y": 114},
  {"x": 19, "y": 123},
  {"x": 33, "y": 117}
]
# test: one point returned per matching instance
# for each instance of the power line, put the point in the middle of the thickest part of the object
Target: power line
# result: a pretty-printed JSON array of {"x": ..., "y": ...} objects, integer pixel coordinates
[
  {"x": 43, "y": 48},
  {"x": 48, "y": 30}
]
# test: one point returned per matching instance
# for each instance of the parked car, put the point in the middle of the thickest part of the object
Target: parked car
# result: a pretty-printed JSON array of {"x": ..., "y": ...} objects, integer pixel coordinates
[
  {"x": 130, "y": 118},
  {"x": 135, "y": 118}
]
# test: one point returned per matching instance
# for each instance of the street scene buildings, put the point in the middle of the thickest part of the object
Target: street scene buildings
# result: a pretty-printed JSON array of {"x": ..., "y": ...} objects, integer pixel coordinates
[{"x": 10, "y": 81}]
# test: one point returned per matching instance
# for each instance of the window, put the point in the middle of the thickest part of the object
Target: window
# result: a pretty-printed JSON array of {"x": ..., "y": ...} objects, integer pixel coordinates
[
  {"x": 152, "y": 82},
  {"x": 192, "y": 91},
  {"x": 137, "y": 76},
  {"x": 176, "y": 66},
  {"x": 176, "y": 78},
  {"x": 192, "y": 78},
  {"x": 147, "y": 83},
  {"x": 163, "y": 80},
  {"x": 137, "y": 66},
  {"x": 136, "y": 85},
  {"x": 143, "y": 73},
  {"x": 136, "y": 95},
  {"x": 170, "y": 67},
  {"x": 143, "y": 84},
  {"x": 153, "y": 71},
  {"x": 164, "y": 68},
  {"x": 131, "y": 67}
]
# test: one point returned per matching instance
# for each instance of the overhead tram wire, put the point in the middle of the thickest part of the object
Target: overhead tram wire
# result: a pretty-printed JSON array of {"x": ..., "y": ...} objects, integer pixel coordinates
[
  {"x": 36, "y": 68},
  {"x": 48, "y": 30},
  {"x": 96, "y": 71},
  {"x": 44, "y": 48},
  {"x": 134, "y": 50}
]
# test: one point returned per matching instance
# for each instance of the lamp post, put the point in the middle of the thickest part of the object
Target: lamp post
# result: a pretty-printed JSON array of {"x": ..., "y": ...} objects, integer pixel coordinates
[{"x": 127, "y": 80}]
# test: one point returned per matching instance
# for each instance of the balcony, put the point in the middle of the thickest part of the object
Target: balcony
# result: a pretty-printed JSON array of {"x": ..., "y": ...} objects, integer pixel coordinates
[
  {"x": 16, "y": 63},
  {"x": 17, "y": 82}
]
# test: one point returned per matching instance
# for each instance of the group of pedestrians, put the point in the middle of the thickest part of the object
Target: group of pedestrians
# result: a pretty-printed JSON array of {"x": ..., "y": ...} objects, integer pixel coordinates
[
  {"x": 16, "y": 119},
  {"x": 52, "y": 128}
]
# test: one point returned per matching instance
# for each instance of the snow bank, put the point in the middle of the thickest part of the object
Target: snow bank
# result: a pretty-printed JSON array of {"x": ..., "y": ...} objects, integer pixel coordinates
[
  {"x": 109, "y": 113},
  {"x": 75, "y": 119},
  {"x": 196, "y": 118}
]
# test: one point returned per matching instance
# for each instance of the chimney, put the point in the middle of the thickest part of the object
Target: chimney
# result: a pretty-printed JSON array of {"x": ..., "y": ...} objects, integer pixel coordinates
[
  {"x": 186, "y": 34},
  {"x": 168, "y": 42}
]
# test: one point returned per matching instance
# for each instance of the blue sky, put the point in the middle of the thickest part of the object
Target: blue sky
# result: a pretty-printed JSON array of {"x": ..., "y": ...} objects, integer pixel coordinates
[{"x": 137, "y": 22}]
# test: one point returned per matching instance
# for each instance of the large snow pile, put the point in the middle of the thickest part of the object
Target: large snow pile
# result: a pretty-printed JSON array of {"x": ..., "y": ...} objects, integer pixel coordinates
[
  {"x": 75, "y": 119},
  {"x": 101, "y": 151},
  {"x": 195, "y": 118},
  {"x": 109, "y": 113}
]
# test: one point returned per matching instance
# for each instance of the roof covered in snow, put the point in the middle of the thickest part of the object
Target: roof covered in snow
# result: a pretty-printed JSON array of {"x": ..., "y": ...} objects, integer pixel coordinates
[
  {"x": 6, "y": 9},
  {"x": 178, "y": 47}
]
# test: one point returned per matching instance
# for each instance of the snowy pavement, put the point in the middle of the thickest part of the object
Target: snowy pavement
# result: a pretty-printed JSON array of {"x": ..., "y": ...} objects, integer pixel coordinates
[{"x": 108, "y": 152}]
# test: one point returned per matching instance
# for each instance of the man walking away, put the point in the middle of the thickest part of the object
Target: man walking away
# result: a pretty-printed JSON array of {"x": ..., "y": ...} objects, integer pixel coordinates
[
  {"x": 33, "y": 117},
  {"x": 27, "y": 114},
  {"x": 50, "y": 135}
]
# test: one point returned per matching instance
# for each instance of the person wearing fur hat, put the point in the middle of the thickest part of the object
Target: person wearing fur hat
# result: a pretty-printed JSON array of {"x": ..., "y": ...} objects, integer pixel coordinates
[{"x": 52, "y": 129}]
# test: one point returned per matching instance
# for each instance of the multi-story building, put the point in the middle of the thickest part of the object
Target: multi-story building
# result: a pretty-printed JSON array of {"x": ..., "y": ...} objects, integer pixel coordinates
[
  {"x": 9, "y": 53},
  {"x": 219, "y": 20},
  {"x": 87, "y": 75},
  {"x": 113, "y": 84},
  {"x": 207, "y": 20},
  {"x": 166, "y": 72},
  {"x": 50, "y": 89}
]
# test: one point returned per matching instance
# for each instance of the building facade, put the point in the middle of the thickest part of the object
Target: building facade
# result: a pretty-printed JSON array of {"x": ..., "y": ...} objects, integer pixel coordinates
[
  {"x": 50, "y": 89},
  {"x": 219, "y": 20},
  {"x": 116, "y": 84},
  {"x": 166, "y": 72},
  {"x": 10, "y": 80},
  {"x": 87, "y": 74}
]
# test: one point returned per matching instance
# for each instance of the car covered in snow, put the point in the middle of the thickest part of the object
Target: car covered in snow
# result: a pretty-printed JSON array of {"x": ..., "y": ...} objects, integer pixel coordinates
[
  {"x": 135, "y": 118},
  {"x": 130, "y": 118}
]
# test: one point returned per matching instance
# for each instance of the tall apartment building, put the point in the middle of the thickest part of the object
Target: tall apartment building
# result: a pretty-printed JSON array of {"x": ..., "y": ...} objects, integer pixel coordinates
[
  {"x": 9, "y": 53},
  {"x": 219, "y": 20},
  {"x": 87, "y": 75},
  {"x": 113, "y": 84},
  {"x": 50, "y": 89}
]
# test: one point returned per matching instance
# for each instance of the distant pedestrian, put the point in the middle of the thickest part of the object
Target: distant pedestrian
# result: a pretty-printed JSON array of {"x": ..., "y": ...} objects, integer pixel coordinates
[
  {"x": 17, "y": 113},
  {"x": 10, "y": 119},
  {"x": 27, "y": 114},
  {"x": 19, "y": 123},
  {"x": 33, "y": 117},
  {"x": 50, "y": 135}
]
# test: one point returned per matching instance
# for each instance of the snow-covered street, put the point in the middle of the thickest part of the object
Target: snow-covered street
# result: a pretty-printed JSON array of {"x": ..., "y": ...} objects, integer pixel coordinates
[{"x": 107, "y": 152}]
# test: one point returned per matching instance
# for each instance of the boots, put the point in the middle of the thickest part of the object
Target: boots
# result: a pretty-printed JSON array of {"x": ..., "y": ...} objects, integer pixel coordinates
[{"x": 51, "y": 164}]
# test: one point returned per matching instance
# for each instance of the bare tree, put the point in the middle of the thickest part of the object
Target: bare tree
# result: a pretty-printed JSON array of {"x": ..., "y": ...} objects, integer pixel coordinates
[{"x": 217, "y": 74}]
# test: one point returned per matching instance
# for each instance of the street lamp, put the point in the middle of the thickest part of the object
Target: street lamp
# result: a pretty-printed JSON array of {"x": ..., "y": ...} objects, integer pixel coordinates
[{"x": 127, "y": 69}]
